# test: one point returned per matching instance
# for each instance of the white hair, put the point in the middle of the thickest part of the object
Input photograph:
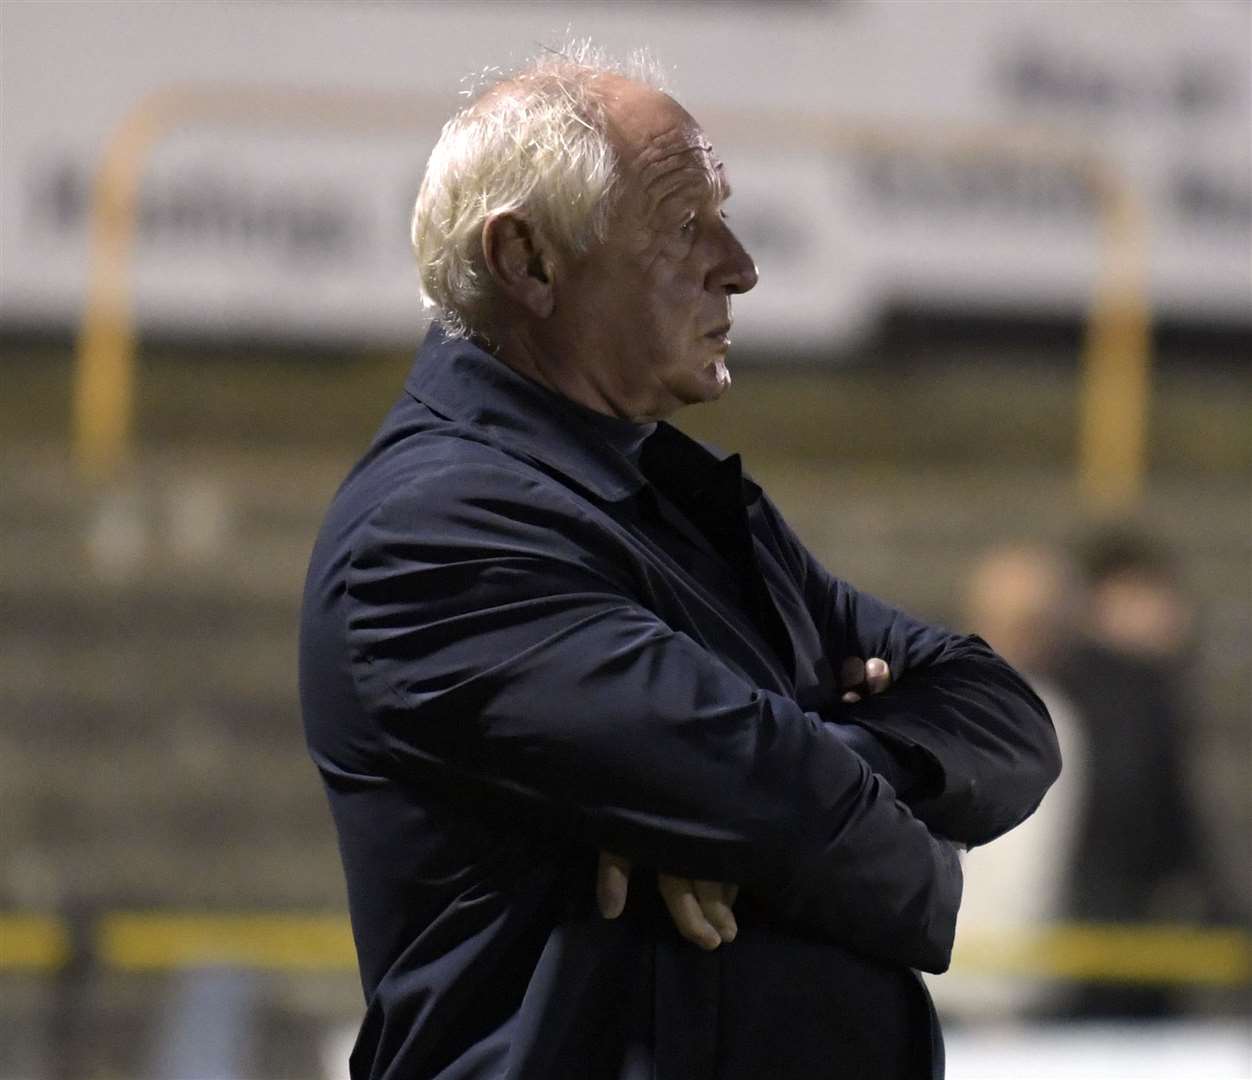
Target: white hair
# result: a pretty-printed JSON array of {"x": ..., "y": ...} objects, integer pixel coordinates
[{"x": 534, "y": 141}]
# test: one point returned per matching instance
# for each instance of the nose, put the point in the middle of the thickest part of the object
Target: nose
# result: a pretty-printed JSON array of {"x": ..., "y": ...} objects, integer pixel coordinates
[{"x": 736, "y": 272}]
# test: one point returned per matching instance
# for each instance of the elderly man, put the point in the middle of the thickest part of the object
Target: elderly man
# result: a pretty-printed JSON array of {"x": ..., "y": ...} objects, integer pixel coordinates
[{"x": 616, "y": 792}]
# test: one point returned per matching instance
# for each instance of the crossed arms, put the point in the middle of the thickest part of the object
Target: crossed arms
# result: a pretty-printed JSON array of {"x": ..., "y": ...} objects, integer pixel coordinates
[{"x": 496, "y": 634}]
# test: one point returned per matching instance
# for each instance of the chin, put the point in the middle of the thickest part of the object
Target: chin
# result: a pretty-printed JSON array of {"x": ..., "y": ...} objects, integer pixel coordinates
[
  {"x": 706, "y": 383},
  {"x": 722, "y": 375},
  {"x": 714, "y": 380},
  {"x": 708, "y": 386}
]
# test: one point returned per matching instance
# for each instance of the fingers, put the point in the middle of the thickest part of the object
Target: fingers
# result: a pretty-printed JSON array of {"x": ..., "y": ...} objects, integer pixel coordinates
[
  {"x": 860, "y": 677},
  {"x": 852, "y": 673},
  {"x": 701, "y": 910},
  {"x": 877, "y": 675},
  {"x": 612, "y": 882},
  {"x": 712, "y": 896},
  {"x": 684, "y": 908}
]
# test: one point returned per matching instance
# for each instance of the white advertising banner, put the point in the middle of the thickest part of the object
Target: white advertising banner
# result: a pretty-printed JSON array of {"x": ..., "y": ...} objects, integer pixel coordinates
[{"x": 838, "y": 123}]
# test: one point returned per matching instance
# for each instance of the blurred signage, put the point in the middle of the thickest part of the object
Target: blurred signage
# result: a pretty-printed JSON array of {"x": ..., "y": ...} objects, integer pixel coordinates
[{"x": 302, "y": 235}]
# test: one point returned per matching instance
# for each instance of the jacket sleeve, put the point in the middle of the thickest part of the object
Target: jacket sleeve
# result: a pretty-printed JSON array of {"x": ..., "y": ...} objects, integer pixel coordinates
[
  {"x": 953, "y": 703},
  {"x": 502, "y": 648}
]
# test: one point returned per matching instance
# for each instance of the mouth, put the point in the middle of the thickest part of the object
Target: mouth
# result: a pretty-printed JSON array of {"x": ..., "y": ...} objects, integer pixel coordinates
[{"x": 720, "y": 335}]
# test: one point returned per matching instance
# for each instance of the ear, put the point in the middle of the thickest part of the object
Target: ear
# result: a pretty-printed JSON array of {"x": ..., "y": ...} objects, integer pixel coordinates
[{"x": 520, "y": 261}]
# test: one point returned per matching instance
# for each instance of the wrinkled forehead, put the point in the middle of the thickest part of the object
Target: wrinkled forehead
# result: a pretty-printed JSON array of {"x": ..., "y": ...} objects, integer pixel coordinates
[
  {"x": 660, "y": 144},
  {"x": 685, "y": 160}
]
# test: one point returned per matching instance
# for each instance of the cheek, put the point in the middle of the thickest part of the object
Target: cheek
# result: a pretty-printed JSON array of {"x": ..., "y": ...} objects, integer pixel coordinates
[{"x": 677, "y": 295}]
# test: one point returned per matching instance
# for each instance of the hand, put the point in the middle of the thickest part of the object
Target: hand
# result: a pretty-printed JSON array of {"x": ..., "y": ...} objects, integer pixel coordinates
[
  {"x": 701, "y": 910},
  {"x": 860, "y": 677}
]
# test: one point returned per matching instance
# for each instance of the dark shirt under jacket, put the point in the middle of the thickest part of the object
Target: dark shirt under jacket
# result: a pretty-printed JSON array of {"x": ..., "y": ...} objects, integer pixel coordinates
[{"x": 518, "y": 648}]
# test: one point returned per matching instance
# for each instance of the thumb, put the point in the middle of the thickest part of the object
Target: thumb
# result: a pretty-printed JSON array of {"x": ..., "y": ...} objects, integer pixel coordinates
[{"x": 612, "y": 881}]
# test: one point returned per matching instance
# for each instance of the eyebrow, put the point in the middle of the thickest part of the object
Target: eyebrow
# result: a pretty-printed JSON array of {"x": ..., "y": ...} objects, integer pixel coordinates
[
  {"x": 721, "y": 186},
  {"x": 683, "y": 189}
]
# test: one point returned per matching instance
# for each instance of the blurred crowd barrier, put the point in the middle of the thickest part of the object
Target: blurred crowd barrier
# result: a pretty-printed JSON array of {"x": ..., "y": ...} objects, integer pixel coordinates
[{"x": 170, "y": 994}]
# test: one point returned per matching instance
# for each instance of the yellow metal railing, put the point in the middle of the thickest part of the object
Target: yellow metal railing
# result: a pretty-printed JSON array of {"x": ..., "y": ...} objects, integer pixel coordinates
[
  {"x": 33, "y": 942},
  {"x": 1116, "y": 358},
  {"x": 104, "y": 385},
  {"x": 276, "y": 942},
  {"x": 1121, "y": 953},
  {"x": 294, "y": 942}
]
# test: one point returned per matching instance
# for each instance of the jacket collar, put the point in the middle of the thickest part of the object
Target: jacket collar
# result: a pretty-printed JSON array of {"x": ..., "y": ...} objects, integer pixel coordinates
[{"x": 461, "y": 381}]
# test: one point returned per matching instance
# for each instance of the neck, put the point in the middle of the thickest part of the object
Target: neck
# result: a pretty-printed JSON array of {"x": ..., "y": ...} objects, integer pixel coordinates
[{"x": 564, "y": 371}]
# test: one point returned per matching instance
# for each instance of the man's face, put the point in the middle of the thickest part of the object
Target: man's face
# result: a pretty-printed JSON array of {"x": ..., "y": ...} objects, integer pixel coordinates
[{"x": 650, "y": 308}]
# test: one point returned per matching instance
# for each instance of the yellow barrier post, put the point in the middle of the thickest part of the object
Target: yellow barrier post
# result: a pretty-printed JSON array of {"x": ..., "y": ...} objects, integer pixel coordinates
[
  {"x": 1115, "y": 389},
  {"x": 104, "y": 382}
]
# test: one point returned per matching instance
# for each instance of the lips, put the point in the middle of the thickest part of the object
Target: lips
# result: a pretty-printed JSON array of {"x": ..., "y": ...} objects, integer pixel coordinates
[{"x": 720, "y": 336}]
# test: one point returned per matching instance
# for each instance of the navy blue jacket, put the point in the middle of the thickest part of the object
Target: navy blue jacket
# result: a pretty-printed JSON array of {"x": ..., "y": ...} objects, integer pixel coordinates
[{"x": 518, "y": 649}]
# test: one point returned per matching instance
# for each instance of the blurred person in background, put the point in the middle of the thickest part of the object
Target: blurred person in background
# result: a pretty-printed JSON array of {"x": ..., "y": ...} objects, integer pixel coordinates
[
  {"x": 1020, "y": 597},
  {"x": 571, "y": 681},
  {"x": 1141, "y": 853}
]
